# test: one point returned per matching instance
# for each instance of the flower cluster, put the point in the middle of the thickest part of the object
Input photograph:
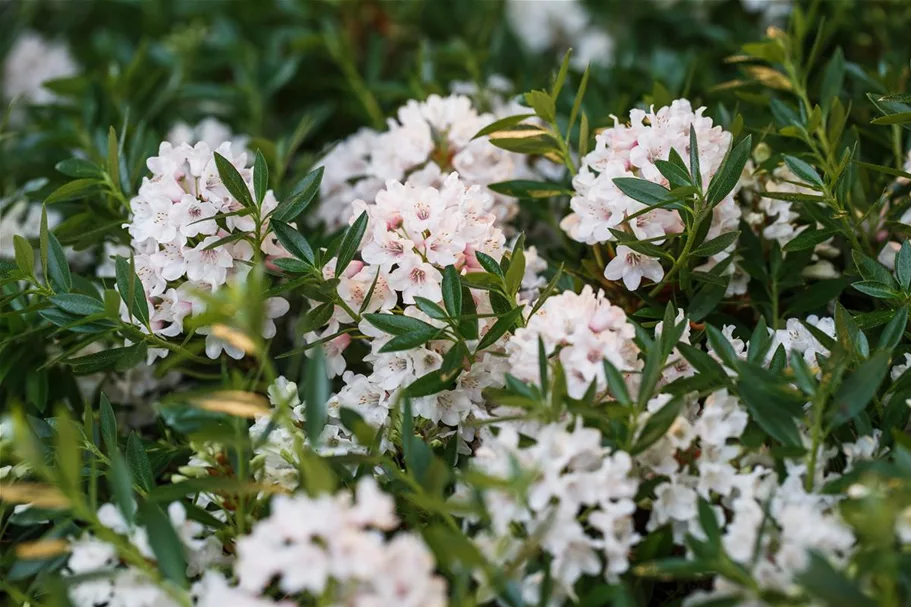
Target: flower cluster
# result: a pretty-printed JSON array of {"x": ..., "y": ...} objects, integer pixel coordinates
[
  {"x": 413, "y": 233},
  {"x": 582, "y": 330},
  {"x": 599, "y": 206},
  {"x": 113, "y": 584},
  {"x": 427, "y": 141},
  {"x": 576, "y": 502},
  {"x": 182, "y": 246},
  {"x": 334, "y": 547}
]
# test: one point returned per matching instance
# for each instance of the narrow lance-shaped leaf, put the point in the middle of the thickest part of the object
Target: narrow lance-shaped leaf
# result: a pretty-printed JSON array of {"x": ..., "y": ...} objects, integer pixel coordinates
[
  {"x": 316, "y": 394},
  {"x": 131, "y": 291},
  {"x": 233, "y": 181},
  {"x": 452, "y": 291},
  {"x": 304, "y": 193},
  {"x": 293, "y": 241},
  {"x": 260, "y": 177},
  {"x": 695, "y": 168},
  {"x": 165, "y": 543},
  {"x": 350, "y": 243},
  {"x": 729, "y": 172},
  {"x": 57, "y": 268}
]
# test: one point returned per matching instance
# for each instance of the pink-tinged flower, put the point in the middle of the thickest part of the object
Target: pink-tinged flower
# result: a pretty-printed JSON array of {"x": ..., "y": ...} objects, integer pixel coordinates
[
  {"x": 632, "y": 267},
  {"x": 415, "y": 277},
  {"x": 153, "y": 220},
  {"x": 208, "y": 265},
  {"x": 194, "y": 217},
  {"x": 387, "y": 248}
]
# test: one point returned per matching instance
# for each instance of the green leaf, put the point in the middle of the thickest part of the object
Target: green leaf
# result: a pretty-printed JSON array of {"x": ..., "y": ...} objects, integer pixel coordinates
[
  {"x": 350, "y": 243},
  {"x": 577, "y": 101},
  {"x": 316, "y": 394},
  {"x": 716, "y": 245},
  {"x": 409, "y": 341},
  {"x": 165, "y": 543},
  {"x": 856, "y": 392},
  {"x": 44, "y": 243},
  {"x": 771, "y": 403},
  {"x": 561, "y": 75},
  {"x": 431, "y": 309},
  {"x": 304, "y": 193},
  {"x": 616, "y": 384},
  {"x": 113, "y": 159},
  {"x": 489, "y": 264},
  {"x": 235, "y": 184},
  {"x": 893, "y": 331},
  {"x": 293, "y": 241},
  {"x": 57, "y": 267},
  {"x": 503, "y": 324},
  {"x": 804, "y": 378},
  {"x": 79, "y": 188},
  {"x": 643, "y": 191},
  {"x": 525, "y": 188},
  {"x": 525, "y": 139},
  {"x": 139, "y": 464},
  {"x": 729, "y": 172},
  {"x": 516, "y": 270},
  {"x": 452, "y": 291},
  {"x": 432, "y": 382},
  {"x": 131, "y": 291},
  {"x": 803, "y": 170},
  {"x": 807, "y": 239},
  {"x": 260, "y": 177},
  {"x": 677, "y": 176},
  {"x": 78, "y": 167},
  {"x": 120, "y": 482},
  {"x": 793, "y": 196},
  {"x": 502, "y": 124},
  {"x": 657, "y": 425},
  {"x": 695, "y": 169},
  {"x": 721, "y": 346},
  {"x": 543, "y": 105},
  {"x": 833, "y": 79},
  {"x": 903, "y": 266},
  {"x": 875, "y": 289},
  {"x": 81, "y": 305},
  {"x": 871, "y": 270},
  {"x": 398, "y": 324},
  {"x": 900, "y": 118},
  {"x": 25, "y": 255},
  {"x": 709, "y": 522},
  {"x": 834, "y": 589},
  {"x": 108, "y": 425}
]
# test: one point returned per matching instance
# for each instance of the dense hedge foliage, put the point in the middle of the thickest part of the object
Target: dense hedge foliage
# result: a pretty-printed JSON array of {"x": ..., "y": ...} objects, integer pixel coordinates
[{"x": 519, "y": 302}]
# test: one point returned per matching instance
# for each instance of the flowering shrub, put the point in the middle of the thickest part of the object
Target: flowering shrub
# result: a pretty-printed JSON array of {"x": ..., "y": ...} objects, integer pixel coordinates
[{"x": 396, "y": 335}]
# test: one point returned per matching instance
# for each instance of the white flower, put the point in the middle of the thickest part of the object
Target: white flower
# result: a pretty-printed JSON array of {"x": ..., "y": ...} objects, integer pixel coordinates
[
  {"x": 632, "y": 267},
  {"x": 32, "y": 61},
  {"x": 417, "y": 278}
]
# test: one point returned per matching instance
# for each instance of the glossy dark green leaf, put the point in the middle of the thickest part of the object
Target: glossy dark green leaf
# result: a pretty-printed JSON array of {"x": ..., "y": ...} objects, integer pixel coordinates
[
  {"x": 233, "y": 181},
  {"x": 260, "y": 177},
  {"x": 131, "y": 291},
  {"x": 138, "y": 461},
  {"x": 858, "y": 389},
  {"x": 903, "y": 266},
  {"x": 729, "y": 172},
  {"x": 804, "y": 171},
  {"x": 452, "y": 291},
  {"x": 807, "y": 240},
  {"x": 316, "y": 394},
  {"x": 79, "y": 168},
  {"x": 499, "y": 328},
  {"x": 75, "y": 303},
  {"x": 398, "y": 324},
  {"x": 57, "y": 267},
  {"x": 716, "y": 245},
  {"x": 502, "y": 124},
  {"x": 290, "y": 208},
  {"x": 293, "y": 241},
  {"x": 165, "y": 543},
  {"x": 642, "y": 190},
  {"x": 350, "y": 243}
]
